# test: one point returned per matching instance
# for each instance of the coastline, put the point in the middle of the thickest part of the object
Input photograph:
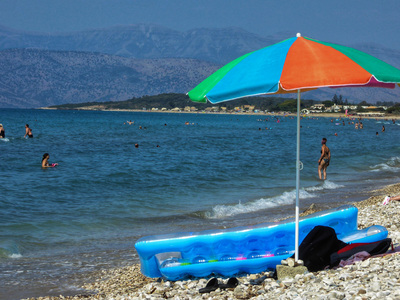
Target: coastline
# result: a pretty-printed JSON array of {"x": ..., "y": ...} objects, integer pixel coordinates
[
  {"x": 374, "y": 278},
  {"x": 280, "y": 114}
]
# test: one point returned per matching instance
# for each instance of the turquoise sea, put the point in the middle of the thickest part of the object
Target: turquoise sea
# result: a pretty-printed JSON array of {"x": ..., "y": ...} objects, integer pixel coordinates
[{"x": 58, "y": 226}]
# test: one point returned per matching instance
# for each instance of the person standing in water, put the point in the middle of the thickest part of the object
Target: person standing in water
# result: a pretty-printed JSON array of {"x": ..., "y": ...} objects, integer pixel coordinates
[
  {"x": 28, "y": 131},
  {"x": 324, "y": 160},
  {"x": 2, "y": 132}
]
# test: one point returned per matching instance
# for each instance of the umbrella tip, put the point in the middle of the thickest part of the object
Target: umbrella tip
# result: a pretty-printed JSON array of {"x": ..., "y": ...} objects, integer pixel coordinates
[{"x": 298, "y": 35}]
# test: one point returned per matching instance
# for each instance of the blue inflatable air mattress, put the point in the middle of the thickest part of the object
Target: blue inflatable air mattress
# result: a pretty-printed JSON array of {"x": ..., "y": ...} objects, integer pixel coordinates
[{"x": 250, "y": 249}]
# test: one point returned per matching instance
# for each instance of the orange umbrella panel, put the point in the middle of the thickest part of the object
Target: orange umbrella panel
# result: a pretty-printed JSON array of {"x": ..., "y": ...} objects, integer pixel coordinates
[{"x": 294, "y": 64}]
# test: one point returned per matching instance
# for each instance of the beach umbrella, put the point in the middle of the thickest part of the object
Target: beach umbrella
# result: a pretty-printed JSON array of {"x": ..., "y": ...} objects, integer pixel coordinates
[{"x": 295, "y": 65}]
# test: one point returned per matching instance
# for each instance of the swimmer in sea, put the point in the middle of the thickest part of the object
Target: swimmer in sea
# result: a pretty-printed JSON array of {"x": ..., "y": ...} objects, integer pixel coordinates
[
  {"x": 45, "y": 161},
  {"x": 28, "y": 131},
  {"x": 324, "y": 160},
  {"x": 2, "y": 132}
]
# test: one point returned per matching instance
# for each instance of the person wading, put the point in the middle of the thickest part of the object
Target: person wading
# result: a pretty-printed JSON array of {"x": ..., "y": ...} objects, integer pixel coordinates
[{"x": 324, "y": 160}]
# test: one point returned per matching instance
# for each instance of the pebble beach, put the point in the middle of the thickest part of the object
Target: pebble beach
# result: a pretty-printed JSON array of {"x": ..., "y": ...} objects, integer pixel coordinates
[{"x": 374, "y": 278}]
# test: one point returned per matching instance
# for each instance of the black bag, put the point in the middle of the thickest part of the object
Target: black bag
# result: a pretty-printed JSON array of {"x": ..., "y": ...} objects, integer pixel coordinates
[
  {"x": 316, "y": 248},
  {"x": 374, "y": 248}
]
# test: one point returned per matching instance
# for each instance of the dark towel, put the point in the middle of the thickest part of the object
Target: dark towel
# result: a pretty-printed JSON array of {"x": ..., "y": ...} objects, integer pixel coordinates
[
  {"x": 316, "y": 248},
  {"x": 374, "y": 248}
]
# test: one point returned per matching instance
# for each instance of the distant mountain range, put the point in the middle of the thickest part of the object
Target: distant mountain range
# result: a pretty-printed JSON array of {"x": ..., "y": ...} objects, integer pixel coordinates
[
  {"x": 35, "y": 78},
  {"x": 144, "y": 41},
  {"x": 119, "y": 63}
]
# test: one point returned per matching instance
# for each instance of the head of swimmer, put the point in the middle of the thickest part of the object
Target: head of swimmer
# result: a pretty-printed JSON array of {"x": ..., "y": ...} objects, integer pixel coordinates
[
  {"x": 46, "y": 155},
  {"x": 324, "y": 140}
]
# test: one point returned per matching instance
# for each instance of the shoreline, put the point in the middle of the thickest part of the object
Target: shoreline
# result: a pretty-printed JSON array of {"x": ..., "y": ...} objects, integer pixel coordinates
[
  {"x": 313, "y": 115},
  {"x": 367, "y": 279}
]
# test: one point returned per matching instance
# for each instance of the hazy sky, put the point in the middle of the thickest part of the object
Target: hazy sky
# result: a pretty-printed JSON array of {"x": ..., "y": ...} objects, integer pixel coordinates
[{"x": 344, "y": 22}]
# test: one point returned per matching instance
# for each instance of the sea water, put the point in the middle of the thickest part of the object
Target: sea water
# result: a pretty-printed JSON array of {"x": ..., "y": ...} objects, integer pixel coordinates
[{"x": 188, "y": 172}]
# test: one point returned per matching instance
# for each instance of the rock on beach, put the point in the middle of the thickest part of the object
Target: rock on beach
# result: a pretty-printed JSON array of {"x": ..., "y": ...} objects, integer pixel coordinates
[{"x": 374, "y": 278}]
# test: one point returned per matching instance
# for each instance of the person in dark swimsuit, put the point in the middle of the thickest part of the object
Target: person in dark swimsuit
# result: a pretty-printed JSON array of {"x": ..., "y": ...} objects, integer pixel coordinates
[
  {"x": 28, "y": 131},
  {"x": 324, "y": 160},
  {"x": 2, "y": 132}
]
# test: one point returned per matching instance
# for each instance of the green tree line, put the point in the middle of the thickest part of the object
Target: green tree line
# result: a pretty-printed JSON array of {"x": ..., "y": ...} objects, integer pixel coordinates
[
  {"x": 170, "y": 101},
  {"x": 262, "y": 103}
]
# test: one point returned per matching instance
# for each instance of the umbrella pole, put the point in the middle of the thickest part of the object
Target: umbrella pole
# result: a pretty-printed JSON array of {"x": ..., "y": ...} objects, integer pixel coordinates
[{"x": 296, "y": 255}]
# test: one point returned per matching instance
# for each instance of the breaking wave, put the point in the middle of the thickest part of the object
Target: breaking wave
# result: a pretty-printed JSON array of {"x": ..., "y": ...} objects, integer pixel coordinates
[
  {"x": 286, "y": 198},
  {"x": 392, "y": 165}
]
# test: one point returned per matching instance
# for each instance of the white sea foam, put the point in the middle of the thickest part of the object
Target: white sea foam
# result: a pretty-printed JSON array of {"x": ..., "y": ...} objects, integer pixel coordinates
[
  {"x": 392, "y": 165},
  {"x": 14, "y": 255},
  {"x": 221, "y": 211},
  {"x": 327, "y": 185}
]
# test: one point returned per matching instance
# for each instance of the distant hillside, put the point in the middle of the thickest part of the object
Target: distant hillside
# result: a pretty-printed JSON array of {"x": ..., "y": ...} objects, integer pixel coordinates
[
  {"x": 32, "y": 78},
  {"x": 119, "y": 63},
  {"x": 144, "y": 41},
  {"x": 36, "y": 78},
  {"x": 218, "y": 45}
]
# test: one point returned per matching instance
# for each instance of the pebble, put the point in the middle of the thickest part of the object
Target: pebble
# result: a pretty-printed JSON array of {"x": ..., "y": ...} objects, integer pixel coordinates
[{"x": 374, "y": 278}]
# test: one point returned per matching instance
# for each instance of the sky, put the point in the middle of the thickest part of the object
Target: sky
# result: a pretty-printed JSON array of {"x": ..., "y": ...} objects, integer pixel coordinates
[{"x": 346, "y": 22}]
